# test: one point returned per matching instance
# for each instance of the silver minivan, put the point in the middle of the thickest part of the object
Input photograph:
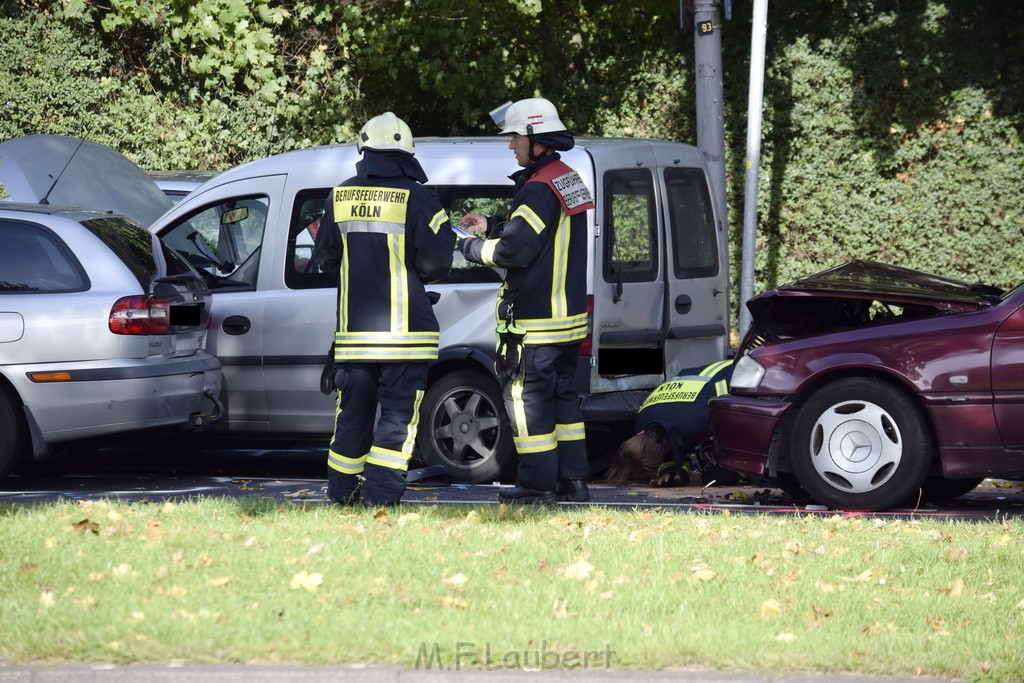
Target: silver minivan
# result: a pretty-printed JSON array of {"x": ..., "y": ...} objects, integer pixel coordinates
[{"x": 658, "y": 286}]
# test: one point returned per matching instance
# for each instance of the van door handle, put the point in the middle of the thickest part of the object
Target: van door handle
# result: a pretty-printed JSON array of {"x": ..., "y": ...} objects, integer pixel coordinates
[
  {"x": 683, "y": 304},
  {"x": 236, "y": 324}
]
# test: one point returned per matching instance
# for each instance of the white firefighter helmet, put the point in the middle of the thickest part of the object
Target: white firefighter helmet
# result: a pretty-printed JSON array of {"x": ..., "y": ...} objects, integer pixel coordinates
[
  {"x": 386, "y": 132},
  {"x": 532, "y": 116}
]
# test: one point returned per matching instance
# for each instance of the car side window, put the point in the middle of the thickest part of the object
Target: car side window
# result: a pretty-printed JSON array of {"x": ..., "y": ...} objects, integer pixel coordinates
[
  {"x": 33, "y": 260},
  {"x": 692, "y": 220},
  {"x": 223, "y": 241},
  {"x": 300, "y": 270},
  {"x": 631, "y": 224}
]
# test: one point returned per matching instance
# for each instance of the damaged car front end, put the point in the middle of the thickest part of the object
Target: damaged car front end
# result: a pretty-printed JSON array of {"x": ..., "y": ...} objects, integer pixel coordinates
[{"x": 867, "y": 385}]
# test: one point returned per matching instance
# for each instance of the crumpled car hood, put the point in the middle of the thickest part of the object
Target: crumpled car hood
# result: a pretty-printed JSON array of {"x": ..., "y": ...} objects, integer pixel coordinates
[
  {"x": 74, "y": 172},
  {"x": 856, "y": 294}
]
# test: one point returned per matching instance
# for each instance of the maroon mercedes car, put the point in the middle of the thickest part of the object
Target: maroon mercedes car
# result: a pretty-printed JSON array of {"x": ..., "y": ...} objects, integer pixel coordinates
[{"x": 871, "y": 386}]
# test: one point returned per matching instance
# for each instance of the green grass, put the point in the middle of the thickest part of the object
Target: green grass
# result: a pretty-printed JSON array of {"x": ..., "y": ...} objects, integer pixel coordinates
[{"x": 256, "y": 581}]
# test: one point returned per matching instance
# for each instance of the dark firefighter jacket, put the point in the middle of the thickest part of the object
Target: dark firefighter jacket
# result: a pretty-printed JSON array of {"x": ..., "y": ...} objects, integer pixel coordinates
[
  {"x": 679, "y": 408},
  {"x": 543, "y": 249},
  {"x": 386, "y": 236}
]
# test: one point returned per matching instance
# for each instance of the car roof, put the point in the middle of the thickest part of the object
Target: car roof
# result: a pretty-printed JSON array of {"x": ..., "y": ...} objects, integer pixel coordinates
[{"x": 70, "y": 212}]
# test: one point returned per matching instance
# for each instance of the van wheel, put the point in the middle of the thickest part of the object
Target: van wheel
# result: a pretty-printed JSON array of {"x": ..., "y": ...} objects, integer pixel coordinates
[
  {"x": 860, "y": 444},
  {"x": 464, "y": 428},
  {"x": 13, "y": 433}
]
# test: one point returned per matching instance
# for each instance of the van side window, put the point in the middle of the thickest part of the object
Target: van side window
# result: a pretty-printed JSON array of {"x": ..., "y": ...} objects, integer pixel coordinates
[
  {"x": 458, "y": 200},
  {"x": 300, "y": 272},
  {"x": 631, "y": 225},
  {"x": 692, "y": 221},
  {"x": 223, "y": 241}
]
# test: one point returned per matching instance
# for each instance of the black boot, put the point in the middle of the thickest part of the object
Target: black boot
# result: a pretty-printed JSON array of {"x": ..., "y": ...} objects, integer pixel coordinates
[
  {"x": 522, "y": 494},
  {"x": 573, "y": 491}
]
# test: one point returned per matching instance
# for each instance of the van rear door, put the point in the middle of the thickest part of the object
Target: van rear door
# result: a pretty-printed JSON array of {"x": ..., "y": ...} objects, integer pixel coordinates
[
  {"x": 697, "y": 284},
  {"x": 655, "y": 306}
]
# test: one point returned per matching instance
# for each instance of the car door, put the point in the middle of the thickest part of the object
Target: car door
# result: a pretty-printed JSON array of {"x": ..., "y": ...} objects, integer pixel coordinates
[
  {"x": 222, "y": 235},
  {"x": 1008, "y": 382}
]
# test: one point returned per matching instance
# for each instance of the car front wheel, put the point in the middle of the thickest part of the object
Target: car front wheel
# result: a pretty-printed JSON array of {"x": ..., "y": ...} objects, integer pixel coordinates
[
  {"x": 463, "y": 428},
  {"x": 860, "y": 444}
]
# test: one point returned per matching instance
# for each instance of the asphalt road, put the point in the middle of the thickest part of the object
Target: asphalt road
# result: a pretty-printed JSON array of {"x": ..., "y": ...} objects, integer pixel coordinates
[{"x": 297, "y": 475}]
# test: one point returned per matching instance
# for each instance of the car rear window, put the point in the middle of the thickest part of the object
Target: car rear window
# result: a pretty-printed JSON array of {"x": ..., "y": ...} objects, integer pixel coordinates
[
  {"x": 33, "y": 260},
  {"x": 133, "y": 244}
]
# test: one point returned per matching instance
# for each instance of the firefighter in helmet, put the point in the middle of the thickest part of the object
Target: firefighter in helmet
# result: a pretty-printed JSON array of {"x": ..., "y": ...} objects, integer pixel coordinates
[
  {"x": 542, "y": 308},
  {"x": 386, "y": 236}
]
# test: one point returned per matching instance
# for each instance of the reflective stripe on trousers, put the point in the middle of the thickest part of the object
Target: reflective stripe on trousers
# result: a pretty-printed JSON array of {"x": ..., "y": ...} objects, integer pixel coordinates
[
  {"x": 381, "y": 455},
  {"x": 547, "y": 425}
]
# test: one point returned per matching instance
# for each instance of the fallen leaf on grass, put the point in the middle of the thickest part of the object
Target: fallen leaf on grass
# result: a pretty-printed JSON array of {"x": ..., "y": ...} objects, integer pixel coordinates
[
  {"x": 580, "y": 569},
  {"x": 771, "y": 608},
  {"x": 457, "y": 581},
  {"x": 701, "y": 572},
  {"x": 639, "y": 535},
  {"x": 219, "y": 582},
  {"x": 453, "y": 602},
  {"x": 86, "y": 526},
  {"x": 408, "y": 518},
  {"x": 306, "y": 580},
  {"x": 866, "y": 575},
  {"x": 46, "y": 599}
]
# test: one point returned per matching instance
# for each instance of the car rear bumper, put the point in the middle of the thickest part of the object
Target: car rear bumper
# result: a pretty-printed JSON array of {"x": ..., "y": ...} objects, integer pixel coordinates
[
  {"x": 104, "y": 397},
  {"x": 743, "y": 430}
]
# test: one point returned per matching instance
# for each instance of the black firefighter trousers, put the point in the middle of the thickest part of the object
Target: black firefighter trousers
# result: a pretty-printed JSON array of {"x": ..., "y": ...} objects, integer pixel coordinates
[
  {"x": 547, "y": 425},
  {"x": 380, "y": 456}
]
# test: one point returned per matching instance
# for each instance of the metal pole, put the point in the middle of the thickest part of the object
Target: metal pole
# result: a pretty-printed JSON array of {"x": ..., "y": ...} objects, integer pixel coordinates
[
  {"x": 755, "y": 104},
  {"x": 707, "y": 52}
]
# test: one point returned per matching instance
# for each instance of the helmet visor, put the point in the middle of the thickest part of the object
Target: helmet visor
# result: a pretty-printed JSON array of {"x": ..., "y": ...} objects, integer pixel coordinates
[{"x": 499, "y": 113}]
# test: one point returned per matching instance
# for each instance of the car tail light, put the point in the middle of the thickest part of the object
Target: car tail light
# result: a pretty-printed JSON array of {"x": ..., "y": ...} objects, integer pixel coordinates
[
  {"x": 587, "y": 346},
  {"x": 140, "y": 315}
]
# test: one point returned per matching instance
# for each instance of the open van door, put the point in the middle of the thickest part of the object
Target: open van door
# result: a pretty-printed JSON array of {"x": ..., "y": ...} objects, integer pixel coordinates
[
  {"x": 660, "y": 299},
  {"x": 697, "y": 301}
]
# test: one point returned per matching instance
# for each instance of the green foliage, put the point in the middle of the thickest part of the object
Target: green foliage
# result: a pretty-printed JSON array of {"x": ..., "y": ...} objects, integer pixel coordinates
[{"x": 892, "y": 130}]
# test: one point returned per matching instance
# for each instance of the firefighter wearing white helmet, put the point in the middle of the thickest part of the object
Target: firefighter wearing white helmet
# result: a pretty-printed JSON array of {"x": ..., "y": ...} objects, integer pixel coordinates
[
  {"x": 385, "y": 235},
  {"x": 386, "y": 132},
  {"x": 542, "y": 303}
]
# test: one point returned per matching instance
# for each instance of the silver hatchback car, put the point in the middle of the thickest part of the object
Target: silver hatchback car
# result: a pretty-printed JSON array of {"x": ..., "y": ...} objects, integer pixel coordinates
[{"x": 102, "y": 330}]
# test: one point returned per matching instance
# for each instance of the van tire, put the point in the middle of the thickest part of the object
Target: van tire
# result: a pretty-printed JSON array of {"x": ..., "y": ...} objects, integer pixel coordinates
[
  {"x": 13, "y": 432},
  {"x": 464, "y": 428}
]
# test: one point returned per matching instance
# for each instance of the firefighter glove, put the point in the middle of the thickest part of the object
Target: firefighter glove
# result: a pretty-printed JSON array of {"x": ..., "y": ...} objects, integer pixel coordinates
[
  {"x": 511, "y": 361},
  {"x": 327, "y": 375}
]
